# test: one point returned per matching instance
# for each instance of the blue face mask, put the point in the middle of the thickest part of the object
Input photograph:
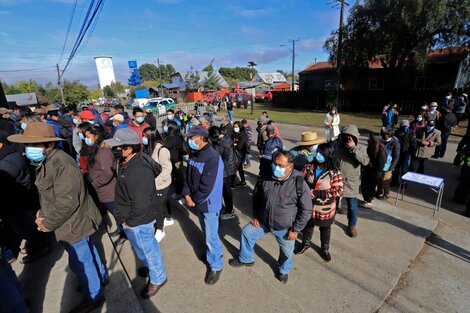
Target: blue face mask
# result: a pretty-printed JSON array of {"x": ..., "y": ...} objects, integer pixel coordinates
[
  {"x": 170, "y": 117},
  {"x": 88, "y": 142},
  {"x": 23, "y": 126},
  {"x": 140, "y": 120},
  {"x": 75, "y": 121},
  {"x": 193, "y": 145},
  {"x": 165, "y": 129},
  {"x": 429, "y": 128},
  {"x": 91, "y": 122},
  {"x": 80, "y": 135},
  {"x": 145, "y": 141},
  {"x": 320, "y": 158},
  {"x": 35, "y": 154},
  {"x": 419, "y": 119},
  {"x": 278, "y": 171}
]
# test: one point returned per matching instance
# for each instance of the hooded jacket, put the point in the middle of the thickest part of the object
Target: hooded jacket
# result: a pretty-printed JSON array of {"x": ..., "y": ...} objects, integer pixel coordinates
[
  {"x": 136, "y": 196},
  {"x": 276, "y": 204},
  {"x": 350, "y": 161},
  {"x": 224, "y": 146}
]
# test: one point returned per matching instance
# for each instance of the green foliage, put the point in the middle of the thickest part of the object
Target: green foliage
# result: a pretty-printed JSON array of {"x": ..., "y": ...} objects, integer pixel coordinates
[
  {"x": 394, "y": 31},
  {"x": 117, "y": 87},
  {"x": 151, "y": 72},
  {"x": 211, "y": 82},
  {"x": 109, "y": 92},
  {"x": 96, "y": 93},
  {"x": 237, "y": 74},
  {"x": 192, "y": 79},
  {"x": 74, "y": 92},
  {"x": 208, "y": 68}
]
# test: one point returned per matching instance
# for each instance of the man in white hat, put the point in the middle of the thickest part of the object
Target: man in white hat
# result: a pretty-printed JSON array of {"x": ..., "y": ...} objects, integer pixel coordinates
[{"x": 67, "y": 209}]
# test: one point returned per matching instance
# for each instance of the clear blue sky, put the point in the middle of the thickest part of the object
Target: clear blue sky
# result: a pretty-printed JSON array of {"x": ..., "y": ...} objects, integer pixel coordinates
[{"x": 180, "y": 32}]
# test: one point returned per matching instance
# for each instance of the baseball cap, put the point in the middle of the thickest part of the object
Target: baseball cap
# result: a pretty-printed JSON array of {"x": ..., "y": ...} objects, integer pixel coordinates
[
  {"x": 405, "y": 123},
  {"x": 118, "y": 118},
  {"x": 123, "y": 136},
  {"x": 198, "y": 130},
  {"x": 87, "y": 114}
]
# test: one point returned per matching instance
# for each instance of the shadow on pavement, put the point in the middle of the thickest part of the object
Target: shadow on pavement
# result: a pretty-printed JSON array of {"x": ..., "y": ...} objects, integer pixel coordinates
[{"x": 443, "y": 245}]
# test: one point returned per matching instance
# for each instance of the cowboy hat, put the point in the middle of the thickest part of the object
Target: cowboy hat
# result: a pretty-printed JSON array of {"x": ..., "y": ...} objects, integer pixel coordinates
[
  {"x": 35, "y": 133},
  {"x": 310, "y": 138}
]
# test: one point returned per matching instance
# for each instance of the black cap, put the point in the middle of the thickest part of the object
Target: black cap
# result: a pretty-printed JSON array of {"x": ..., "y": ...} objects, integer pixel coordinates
[{"x": 198, "y": 130}]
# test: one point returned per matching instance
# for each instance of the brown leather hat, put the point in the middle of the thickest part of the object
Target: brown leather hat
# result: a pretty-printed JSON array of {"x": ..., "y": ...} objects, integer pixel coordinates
[{"x": 35, "y": 132}]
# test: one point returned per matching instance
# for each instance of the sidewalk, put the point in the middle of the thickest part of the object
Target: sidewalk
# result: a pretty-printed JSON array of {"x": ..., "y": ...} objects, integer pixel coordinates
[{"x": 389, "y": 267}]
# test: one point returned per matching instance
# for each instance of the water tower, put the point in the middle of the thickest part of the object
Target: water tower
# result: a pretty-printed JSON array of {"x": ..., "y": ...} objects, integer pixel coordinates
[{"x": 104, "y": 66}]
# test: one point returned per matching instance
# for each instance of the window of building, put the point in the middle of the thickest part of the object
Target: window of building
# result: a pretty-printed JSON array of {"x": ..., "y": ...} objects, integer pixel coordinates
[
  {"x": 376, "y": 83},
  {"x": 329, "y": 85}
]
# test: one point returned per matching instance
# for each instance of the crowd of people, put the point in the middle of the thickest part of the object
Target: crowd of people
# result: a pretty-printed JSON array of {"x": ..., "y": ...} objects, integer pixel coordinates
[{"x": 67, "y": 171}]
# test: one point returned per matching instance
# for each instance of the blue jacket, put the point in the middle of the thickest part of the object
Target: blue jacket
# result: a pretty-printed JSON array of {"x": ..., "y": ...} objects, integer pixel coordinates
[
  {"x": 204, "y": 180},
  {"x": 272, "y": 146}
]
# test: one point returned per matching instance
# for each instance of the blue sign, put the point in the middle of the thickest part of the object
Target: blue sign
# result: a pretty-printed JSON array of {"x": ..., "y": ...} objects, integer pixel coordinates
[
  {"x": 134, "y": 79},
  {"x": 132, "y": 64}
]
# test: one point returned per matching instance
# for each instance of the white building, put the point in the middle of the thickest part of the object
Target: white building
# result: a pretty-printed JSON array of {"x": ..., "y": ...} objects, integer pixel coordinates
[
  {"x": 104, "y": 66},
  {"x": 269, "y": 78}
]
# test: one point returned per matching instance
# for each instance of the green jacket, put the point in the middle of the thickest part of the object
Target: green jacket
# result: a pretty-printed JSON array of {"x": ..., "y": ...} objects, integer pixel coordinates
[{"x": 66, "y": 206}]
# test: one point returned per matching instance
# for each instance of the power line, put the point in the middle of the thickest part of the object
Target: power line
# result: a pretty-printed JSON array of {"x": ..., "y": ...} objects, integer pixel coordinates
[
  {"x": 27, "y": 69},
  {"x": 68, "y": 31}
]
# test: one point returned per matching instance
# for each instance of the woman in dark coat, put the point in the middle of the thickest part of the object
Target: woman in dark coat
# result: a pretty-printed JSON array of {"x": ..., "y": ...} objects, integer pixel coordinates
[
  {"x": 326, "y": 184},
  {"x": 174, "y": 142},
  {"x": 241, "y": 143},
  {"x": 373, "y": 172}
]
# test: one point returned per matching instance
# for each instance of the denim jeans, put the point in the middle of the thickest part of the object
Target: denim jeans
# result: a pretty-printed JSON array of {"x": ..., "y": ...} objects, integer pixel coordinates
[
  {"x": 210, "y": 227},
  {"x": 251, "y": 234},
  {"x": 146, "y": 248},
  {"x": 11, "y": 296},
  {"x": 230, "y": 115},
  {"x": 352, "y": 211},
  {"x": 85, "y": 262}
]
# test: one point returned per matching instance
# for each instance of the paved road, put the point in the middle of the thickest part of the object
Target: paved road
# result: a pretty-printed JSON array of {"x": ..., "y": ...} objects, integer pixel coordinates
[{"x": 400, "y": 262}]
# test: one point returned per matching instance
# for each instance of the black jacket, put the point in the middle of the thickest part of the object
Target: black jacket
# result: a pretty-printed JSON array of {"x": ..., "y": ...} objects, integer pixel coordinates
[
  {"x": 174, "y": 143},
  {"x": 393, "y": 146},
  {"x": 447, "y": 122},
  {"x": 136, "y": 195},
  {"x": 224, "y": 146},
  {"x": 227, "y": 130},
  {"x": 241, "y": 139},
  {"x": 407, "y": 140},
  {"x": 276, "y": 204}
]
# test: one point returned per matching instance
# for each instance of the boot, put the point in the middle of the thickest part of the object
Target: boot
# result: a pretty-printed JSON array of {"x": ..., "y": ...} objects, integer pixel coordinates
[
  {"x": 325, "y": 245},
  {"x": 307, "y": 234}
]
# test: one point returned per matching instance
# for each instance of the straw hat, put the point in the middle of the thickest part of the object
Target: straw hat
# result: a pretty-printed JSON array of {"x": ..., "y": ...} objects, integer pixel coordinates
[
  {"x": 310, "y": 138},
  {"x": 36, "y": 132}
]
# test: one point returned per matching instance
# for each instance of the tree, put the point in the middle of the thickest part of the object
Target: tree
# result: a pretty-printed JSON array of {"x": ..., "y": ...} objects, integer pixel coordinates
[
  {"x": 211, "y": 82},
  {"x": 208, "y": 68},
  {"x": 74, "y": 92},
  {"x": 237, "y": 73},
  {"x": 400, "y": 31},
  {"x": 96, "y": 93},
  {"x": 151, "y": 72},
  {"x": 109, "y": 92},
  {"x": 192, "y": 79},
  {"x": 117, "y": 87}
]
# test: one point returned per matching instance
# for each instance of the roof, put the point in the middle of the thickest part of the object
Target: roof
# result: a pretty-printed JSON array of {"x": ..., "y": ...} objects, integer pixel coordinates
[
  {"x": 203, "y": 75},
  {"x": 274, "y": 77},
  {"x": 440, "y": 56},
  {"x": 171, "y": 86},
  {"x": 23, "y": 99}
]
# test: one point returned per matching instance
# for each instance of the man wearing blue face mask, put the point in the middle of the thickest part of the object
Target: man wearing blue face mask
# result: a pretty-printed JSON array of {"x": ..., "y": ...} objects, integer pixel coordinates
[
  {"x": 67, "y": 209},
  {"x": 138, "y": 124},
  {"x": 427, "y": 138},
  {"x": 203, "y": 191},
  {"x": 282, "y": 206}
]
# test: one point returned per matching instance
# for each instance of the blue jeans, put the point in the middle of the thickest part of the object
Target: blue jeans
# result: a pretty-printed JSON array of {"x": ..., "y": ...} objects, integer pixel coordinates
[
  {"x": 11, "y": 296},
  {"x": 251, "y": 234},
  {"x": 352, "y": 211},
  {"x": 210, "y": 227},
  {"x": 147, "y": 250},
  {"x": 230, "y": 115},
  {"x": 85, "y": 262}
]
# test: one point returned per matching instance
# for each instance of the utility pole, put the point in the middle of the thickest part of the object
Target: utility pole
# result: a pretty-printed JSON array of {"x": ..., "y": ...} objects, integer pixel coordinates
[
  {"x": 160, "y": 76},
  {"x": 293, "y": 62},
  {"x": 339, "y": 53},
  {"x": 60, "y": 84}
]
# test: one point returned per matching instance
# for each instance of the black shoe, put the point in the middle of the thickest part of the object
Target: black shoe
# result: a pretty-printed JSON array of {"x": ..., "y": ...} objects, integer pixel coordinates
[
  {"x": 120, "y": 240},
  {"x": 143, "y": 272},
  {"x": 282, "y": 277},
  {"x": 88, "y": 307},
  {"x": 325, "y": 253},
  {"x": 241, "y": 184},
  {"x": 34, "y": 255},
  {"x": 237, "y": 263},
  {"x": 303, "y": 247},
  {"x": 212, "y": 277}
]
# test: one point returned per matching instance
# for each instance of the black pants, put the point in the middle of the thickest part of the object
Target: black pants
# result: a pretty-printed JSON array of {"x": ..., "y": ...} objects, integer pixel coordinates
[
  {"x": 241, "y": 172},
  {"x": 441, "y": 149},
  {"x": 163, "y": 207},
  {"x": 370, "y": 180},
  {"x": 325, "y": 232},
  {"x": 227, "y": 194},
  {"x": 419, "y": 164}
]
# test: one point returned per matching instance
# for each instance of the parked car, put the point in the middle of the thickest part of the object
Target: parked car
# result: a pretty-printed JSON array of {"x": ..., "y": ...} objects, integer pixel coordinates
[
  {"x": 264, "y": 96},
  {"x": 160, "y": 106}
]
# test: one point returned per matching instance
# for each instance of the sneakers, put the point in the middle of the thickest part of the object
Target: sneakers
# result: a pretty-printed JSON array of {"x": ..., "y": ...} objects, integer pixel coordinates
[
  {"x": 227, "y": 216},
  {"x": 366, "y": 205},
  {"x": 159, "y": 235},
  {"x": 168, "y": 222}
]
